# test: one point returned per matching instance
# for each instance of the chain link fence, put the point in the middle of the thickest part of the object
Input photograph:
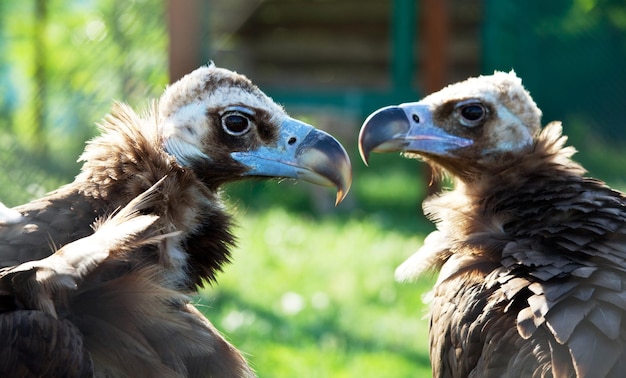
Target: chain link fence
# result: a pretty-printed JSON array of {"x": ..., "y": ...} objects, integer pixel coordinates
[{"x": 62, "y": 63}]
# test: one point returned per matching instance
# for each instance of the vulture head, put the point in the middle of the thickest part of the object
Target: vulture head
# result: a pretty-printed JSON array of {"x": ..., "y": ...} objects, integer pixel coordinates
[
  {"x": 220, "y": 125},
  {"x": 480, "y": 122}
]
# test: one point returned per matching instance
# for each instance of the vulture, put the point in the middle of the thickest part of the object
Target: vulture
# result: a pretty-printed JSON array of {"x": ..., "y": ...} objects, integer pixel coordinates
[
  {"x": 531, "y": 253},
  {"x": 133, "y": 312}
]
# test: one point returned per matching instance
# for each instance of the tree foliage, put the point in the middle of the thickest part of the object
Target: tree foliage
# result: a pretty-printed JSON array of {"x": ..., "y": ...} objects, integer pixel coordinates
[{"x": 62, "y": 63}]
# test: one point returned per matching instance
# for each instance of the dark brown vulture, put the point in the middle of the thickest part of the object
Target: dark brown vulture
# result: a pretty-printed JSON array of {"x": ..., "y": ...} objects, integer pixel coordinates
[
  {"x": 531, "y": 254},
  {"x": 211, "y": 127}
]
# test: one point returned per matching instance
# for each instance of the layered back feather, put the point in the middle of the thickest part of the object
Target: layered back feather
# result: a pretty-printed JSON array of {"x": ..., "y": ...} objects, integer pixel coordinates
[
  {"x": 86, "y": 310},
  {"x": 39, "y": 339}
]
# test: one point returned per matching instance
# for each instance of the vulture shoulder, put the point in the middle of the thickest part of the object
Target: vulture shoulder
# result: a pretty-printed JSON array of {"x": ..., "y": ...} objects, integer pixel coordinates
[
  {"x": 66, "y": 315},
  {"x": 532, "y": 254},
  {"x": 38, "y": 339},
  {"x": 35, "y": 344}
]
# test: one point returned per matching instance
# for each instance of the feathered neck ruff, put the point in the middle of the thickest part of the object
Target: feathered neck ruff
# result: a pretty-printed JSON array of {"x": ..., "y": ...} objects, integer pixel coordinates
[
  {"x": 546, "y": 158},
  {"x": 128, "y": 158},
  {"x": 477, "y": 210},
  {"x": 127, "y": 152}
]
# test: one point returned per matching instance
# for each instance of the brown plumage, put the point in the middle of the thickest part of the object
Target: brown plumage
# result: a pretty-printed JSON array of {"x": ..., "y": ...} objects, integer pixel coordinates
[
  {"x": 40, "y": 338},
  {"x": 211, "y": 127},
  {"x": 532, "y": 254}
]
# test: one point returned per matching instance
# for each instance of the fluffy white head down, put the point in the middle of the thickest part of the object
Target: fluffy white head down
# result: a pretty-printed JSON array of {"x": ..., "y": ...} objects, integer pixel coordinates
[
  {"x": 183, "y": 109},
  {"x": 182, "y": 130},
  {"x": 517, "y": 112}
]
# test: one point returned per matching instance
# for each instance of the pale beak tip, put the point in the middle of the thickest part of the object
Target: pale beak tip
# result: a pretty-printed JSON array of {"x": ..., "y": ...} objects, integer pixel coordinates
[
  {"x": 341, "y": 194},
  {"x": 365, "y": 156}
]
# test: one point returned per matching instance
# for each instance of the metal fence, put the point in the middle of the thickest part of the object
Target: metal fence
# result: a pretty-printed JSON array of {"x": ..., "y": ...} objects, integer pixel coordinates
[{"x": 62, "y": 64}]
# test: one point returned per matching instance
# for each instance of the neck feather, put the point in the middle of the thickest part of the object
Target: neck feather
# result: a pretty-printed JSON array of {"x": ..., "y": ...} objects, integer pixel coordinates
[{"x": 128, "y": 158}]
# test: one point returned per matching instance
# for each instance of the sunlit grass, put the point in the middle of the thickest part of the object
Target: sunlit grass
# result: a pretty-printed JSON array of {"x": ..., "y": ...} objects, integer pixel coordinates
[{"x": 316, "y": 298}]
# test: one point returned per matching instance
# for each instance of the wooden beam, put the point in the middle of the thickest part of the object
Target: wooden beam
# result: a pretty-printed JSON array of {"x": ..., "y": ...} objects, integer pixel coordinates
[
  {"x": 434, "y": 40},
  {"x": 435, "y": 37},
  {"x": 185, "y": 33}
]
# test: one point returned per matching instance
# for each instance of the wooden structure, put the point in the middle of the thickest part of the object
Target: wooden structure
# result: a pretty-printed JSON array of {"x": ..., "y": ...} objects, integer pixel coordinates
[{"x": 350, "y": 55}]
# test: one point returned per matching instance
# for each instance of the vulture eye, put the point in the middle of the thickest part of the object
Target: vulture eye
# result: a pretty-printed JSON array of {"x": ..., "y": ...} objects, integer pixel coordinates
[
  {"x": 472, "y": 114},
  {"x": 236, "y": 123}
]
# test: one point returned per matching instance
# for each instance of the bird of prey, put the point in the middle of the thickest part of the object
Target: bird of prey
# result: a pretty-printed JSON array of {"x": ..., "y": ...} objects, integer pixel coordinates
[
  {"x": 211, "y": 127},
  {"x": 531, "y": 253}
]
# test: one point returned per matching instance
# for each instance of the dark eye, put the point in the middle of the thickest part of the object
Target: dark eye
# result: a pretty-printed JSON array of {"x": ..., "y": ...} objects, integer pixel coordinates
[
  {"x": 236, "y": 123},
  {"x": 472, "y": 114}
]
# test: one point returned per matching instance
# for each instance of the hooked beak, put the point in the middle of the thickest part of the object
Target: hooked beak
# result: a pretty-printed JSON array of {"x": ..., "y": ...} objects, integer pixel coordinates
[
  {"x": 407, "y": 127},
  {"x": 304, "y": 153}
]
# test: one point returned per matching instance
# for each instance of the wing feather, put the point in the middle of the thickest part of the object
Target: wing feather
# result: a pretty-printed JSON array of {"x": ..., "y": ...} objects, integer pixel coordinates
[{"x": 34, "y": 343}]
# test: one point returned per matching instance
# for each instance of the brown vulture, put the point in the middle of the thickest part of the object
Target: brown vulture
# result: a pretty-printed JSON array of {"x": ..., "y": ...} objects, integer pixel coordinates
[
  {"x": 211, "y": 127},
  {"x": 531, "y": 253}
]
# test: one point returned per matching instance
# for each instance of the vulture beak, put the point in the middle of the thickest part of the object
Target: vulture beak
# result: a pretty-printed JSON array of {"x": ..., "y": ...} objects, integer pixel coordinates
[
  {"x": 407, "y": 127},
  {"x": 304, "y": 153}
]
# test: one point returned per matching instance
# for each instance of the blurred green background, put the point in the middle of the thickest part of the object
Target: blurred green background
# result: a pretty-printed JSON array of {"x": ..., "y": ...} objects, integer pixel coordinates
[{"x": 310, "y": 292}]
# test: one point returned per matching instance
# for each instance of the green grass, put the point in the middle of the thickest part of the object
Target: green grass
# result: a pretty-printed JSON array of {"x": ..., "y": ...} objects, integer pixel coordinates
[{"x": 309, "y": 297}]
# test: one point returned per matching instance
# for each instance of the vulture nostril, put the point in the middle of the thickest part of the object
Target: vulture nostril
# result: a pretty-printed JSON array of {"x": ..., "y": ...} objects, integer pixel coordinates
[
  {"x": 292, "y": 140},
  {"x": 416, "y": 118}
]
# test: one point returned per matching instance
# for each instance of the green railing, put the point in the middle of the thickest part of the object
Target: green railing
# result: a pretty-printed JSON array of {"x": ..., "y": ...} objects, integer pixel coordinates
[{"x": 571, "y": 56}]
